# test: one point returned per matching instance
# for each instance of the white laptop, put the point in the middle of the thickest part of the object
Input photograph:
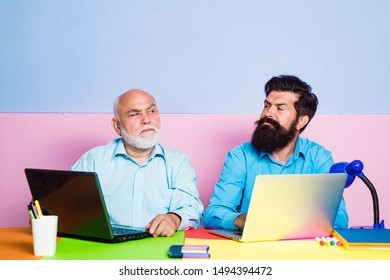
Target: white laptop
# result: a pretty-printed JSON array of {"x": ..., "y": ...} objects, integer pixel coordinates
[{"x": 290, "y": 206}]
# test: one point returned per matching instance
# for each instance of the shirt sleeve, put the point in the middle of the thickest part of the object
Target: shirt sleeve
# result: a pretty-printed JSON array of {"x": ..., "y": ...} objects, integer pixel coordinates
[
  {"x": 341, "y": 221},
  {"x": 226, "y": 199},
  {"x": 185, "y": 200}
]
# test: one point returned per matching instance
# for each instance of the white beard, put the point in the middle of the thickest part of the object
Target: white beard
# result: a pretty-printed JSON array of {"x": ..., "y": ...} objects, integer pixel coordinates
[{"x": 140, "y": 142}]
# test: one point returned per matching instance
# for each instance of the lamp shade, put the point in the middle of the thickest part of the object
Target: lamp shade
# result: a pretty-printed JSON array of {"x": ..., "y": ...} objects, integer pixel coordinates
[{"x": 353, "y": 169}]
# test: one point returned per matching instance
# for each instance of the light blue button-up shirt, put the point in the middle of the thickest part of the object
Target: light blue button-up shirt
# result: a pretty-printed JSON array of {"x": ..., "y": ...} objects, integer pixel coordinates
[
  {"x": 134, "y": 194},
  {"x": 243, "y": 163}
]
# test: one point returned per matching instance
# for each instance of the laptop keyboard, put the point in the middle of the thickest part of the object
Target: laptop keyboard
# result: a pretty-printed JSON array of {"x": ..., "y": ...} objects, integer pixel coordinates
[
  {"x": 120, "y": 231},
  {"x": 124, "y": 234}
]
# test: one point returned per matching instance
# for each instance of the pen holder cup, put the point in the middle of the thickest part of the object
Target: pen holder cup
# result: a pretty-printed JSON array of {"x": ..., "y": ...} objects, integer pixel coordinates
[{"x": 44, "y": 231}]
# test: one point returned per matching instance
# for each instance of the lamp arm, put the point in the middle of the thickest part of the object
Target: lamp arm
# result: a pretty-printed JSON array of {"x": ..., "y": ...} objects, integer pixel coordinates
[{"x": 374, "y": 198}]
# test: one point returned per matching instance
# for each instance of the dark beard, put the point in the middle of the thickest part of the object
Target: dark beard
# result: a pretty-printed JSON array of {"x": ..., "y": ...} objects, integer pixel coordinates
[{"x": 272, "y": 137}]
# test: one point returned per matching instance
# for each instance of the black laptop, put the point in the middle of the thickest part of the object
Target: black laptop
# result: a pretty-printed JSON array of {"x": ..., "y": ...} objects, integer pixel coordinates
[{"x": 77, "y": 199}]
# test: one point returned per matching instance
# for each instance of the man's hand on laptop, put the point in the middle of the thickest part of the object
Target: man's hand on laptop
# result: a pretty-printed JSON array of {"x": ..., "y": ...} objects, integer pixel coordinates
[
  {"x": 240, "y": 221},
  {"x": 164, "y": 224}
]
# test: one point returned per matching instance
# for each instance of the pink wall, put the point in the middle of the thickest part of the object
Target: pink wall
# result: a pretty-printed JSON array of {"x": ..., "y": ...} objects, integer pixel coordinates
[{"x": 56, "y": 141}]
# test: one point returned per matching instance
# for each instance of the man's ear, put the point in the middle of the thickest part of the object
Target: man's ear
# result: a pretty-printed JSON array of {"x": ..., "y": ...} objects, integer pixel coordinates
[
  {"x": 116, "y": 125},
  {"x": 302, "y": 121}
]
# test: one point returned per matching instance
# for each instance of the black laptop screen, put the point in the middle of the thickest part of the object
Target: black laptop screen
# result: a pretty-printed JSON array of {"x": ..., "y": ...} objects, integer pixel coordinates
[{"x": 75, "y": 197}]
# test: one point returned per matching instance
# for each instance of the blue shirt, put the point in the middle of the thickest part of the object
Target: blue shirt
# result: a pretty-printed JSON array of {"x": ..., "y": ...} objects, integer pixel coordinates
[
  {"x": 243, "y": 163},
  {"x": 134, "y": 194}
]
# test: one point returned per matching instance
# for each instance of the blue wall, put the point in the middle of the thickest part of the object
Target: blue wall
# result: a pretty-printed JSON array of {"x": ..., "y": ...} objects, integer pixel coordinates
[{"x": 194, "y": 56}]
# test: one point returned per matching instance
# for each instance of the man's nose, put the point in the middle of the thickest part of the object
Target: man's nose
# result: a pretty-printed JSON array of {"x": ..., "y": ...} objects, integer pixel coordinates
[
  {"x": 270, "y": 113},
  {"x": 145, "y": 117}
]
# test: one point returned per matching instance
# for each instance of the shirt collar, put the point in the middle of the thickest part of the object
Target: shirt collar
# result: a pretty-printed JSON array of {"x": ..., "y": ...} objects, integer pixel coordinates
[
  {"x": 158, "y": 151},
  {"x": 120, "y": 150},
  {"x": 299, "y": 149}
]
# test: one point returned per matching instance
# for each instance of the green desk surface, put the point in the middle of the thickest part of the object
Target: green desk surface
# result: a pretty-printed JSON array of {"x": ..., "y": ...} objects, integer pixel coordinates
[{"x": 143, "y": 249}]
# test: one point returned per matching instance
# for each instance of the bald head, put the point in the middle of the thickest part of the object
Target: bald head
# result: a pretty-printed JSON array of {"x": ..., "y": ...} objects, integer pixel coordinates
[{"x": 132, "y": 96}]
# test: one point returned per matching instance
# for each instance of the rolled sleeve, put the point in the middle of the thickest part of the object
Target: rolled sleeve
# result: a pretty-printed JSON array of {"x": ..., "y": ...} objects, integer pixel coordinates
[
  {"x": 185, "y": 199},
  {"x": 226, "y": 200}
]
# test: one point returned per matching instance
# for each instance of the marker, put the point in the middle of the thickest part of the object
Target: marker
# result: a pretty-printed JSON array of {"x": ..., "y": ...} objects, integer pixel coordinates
[
  {"x": 189, "y": 255},
  {"x": 189, "y": 247},
  {"x": 320, "y": 241},
  {"x": 193, "y": 249},
  {"x": 189, "y": 251},
  {"x": 31, "y": 214},
  {"x": 336, "y": 241},
  {"x": 36, "y": 202},
  {"x": 31, "y": 211}
]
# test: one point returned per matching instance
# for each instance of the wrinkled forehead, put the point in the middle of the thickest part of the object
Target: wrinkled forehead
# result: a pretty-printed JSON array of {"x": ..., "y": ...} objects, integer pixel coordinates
[{"x": 135, "y": 100}]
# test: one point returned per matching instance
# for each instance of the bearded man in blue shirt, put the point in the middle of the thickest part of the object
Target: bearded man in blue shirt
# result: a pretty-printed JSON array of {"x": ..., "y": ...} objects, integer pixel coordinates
[
  {"x": 275, "y": 148},
  {"x": 143, "y": 183}
]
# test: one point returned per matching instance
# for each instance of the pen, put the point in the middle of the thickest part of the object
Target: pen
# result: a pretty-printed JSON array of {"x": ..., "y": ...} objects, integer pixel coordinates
[{"x": 36, "y": 202}]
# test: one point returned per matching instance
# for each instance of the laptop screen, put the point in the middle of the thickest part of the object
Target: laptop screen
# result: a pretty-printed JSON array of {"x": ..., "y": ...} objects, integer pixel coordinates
[
  {"x": 291, "y": 206},
  {"x": 75, "y": 197}
]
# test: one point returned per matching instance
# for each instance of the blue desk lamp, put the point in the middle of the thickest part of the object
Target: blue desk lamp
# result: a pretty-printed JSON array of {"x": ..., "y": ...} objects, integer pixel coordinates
[{"x": 353, "y": 169}]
